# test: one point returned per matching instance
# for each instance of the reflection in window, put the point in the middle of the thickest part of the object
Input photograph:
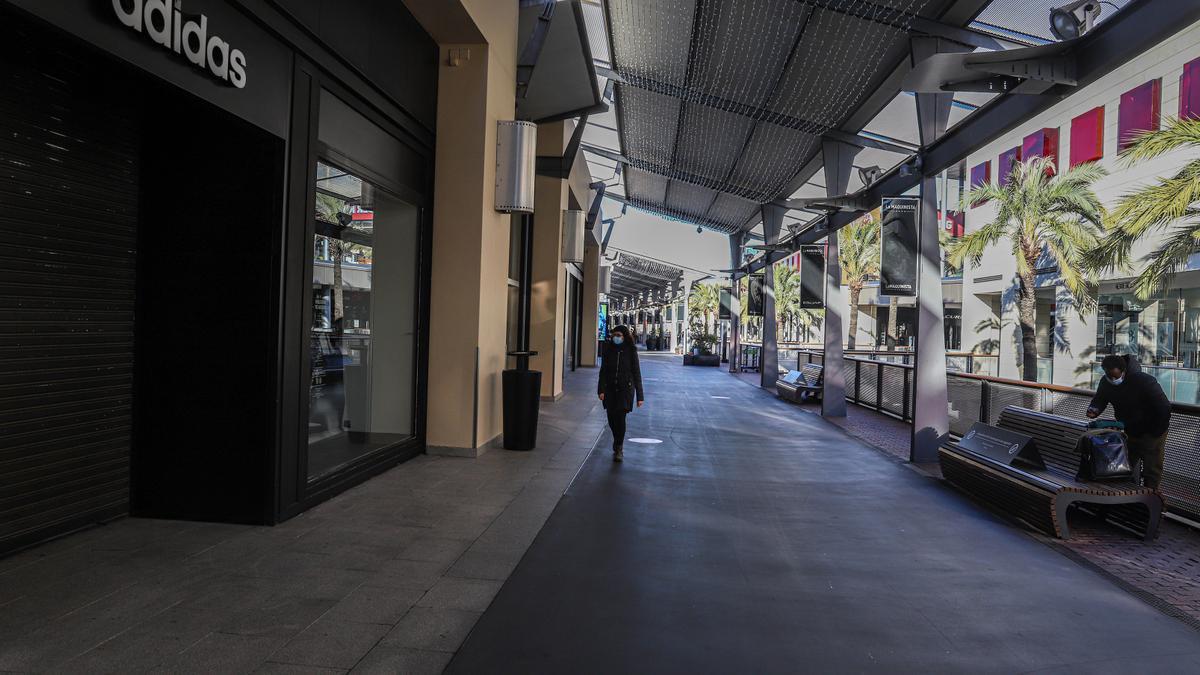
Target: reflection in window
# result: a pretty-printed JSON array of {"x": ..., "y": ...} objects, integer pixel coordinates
[
  {"x": 1163, "y": 332},
  {"x": 362, "y": 334}
]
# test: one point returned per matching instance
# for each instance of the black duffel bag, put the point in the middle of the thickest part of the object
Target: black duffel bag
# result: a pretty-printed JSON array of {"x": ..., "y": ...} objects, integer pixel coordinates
[{"x": 1104, "y": 455}]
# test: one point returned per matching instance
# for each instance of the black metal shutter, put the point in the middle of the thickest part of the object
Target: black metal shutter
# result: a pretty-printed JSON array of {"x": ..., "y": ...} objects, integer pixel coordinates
[{"x": 68, "y": 223}]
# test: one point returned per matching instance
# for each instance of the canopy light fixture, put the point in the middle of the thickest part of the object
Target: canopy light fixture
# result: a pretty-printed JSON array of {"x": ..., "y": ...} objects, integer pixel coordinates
[{"x": 1074, "y": 20}]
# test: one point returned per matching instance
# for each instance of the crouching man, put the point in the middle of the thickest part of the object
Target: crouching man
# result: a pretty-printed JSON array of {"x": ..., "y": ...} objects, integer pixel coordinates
[{"x": 1140, "y": 403}]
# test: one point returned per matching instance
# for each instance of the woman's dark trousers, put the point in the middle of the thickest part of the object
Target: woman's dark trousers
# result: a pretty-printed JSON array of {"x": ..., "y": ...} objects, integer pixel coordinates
[{"x": 616, "y": 422}]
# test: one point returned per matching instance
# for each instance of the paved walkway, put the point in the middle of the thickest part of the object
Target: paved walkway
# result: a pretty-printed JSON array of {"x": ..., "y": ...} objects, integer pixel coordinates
[
  {"x": 757, "y": 539},
  {"x": 388, "y": 577}
]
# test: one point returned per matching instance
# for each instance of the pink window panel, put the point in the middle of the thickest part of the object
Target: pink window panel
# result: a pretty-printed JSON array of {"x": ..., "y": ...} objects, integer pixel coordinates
[
  {"x": 1139, "y": 112},
  {"x": 981, "y": 174},
  {"x": 1041, "y": 143},
  {"x": 1005, "y": 164},
  {"x": 1189, "y": 90},
  {"x": 1087, "y": 137},
  {"x": 955, "y": 223}
]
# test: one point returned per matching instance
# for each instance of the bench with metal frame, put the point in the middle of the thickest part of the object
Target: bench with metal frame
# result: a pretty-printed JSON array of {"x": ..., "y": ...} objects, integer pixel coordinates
[
  {"x": 1042, "y": 497},
  {"x": 799, "y": 385}
]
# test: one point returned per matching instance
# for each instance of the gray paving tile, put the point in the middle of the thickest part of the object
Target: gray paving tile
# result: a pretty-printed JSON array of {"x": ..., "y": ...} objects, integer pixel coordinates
[
  {"x": 434, "y": 549},
  {"x": 221, "y": 653},
  {"x": 484, "y": 565},
  {"x": 409, "y": 574},
  {"x": 331, "y": 643},
  {"x": 472, "y": 595},
  {"x": 431, "y": 629},
  {"x": 272, "y": 668},
  {"x": 388, "y": 660},
  {"x": 370, "y": 603}
]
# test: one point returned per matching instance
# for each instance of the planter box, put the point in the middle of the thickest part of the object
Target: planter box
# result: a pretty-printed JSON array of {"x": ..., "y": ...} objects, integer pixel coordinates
[{"x": 702, "y": 360}]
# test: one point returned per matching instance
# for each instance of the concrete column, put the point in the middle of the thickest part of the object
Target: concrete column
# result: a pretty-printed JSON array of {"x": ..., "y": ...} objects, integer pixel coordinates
[
  {"x": 547, "y": 310},
  {"x": 768, "y": 363},
  {"x": 589, "y": 334},
  {"x": 468, "y": 306},
  {"x": 833, "y": 394}
]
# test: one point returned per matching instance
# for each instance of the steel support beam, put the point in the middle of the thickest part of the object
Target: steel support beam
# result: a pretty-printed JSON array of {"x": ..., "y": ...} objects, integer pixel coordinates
[
  {"x": 833, "y": 391},
  {"x": 837, "y": 157},
  {"x": 735, "y": 319},
  {"x": 931, "y": 421},
  {"x": 768, "y": 362}
]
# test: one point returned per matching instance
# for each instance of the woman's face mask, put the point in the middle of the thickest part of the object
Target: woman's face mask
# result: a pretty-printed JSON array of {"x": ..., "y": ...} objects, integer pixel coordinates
[
  {"x": 1118, "y": 379},
  {"x": 617, "y": 339}
]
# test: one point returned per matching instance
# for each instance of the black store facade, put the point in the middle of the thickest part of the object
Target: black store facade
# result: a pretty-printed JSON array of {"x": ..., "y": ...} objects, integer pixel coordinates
[{"x": 214, "y": 258}]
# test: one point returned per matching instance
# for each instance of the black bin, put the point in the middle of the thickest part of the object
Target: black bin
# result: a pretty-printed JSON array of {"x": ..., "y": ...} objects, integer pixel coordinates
[{"x": 522, "y": 396}]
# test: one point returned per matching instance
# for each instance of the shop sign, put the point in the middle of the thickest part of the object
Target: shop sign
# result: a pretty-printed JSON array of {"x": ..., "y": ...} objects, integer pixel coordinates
[{"x": 188, "y": 35}]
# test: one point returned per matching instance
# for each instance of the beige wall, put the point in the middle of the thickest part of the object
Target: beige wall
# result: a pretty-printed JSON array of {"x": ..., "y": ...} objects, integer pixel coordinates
[
  {"x": 590, "y": 302},
  {"x": 470, "y": 240},
  {"x": 547, "y": 303}
]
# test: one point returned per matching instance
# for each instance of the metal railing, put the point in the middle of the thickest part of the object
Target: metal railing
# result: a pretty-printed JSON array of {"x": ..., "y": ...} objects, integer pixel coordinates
[{"x": 887, "y": 388}]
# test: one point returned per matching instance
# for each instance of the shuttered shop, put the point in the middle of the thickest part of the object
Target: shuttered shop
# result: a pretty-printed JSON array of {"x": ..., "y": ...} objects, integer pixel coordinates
[{"x": 68, "y": 225}]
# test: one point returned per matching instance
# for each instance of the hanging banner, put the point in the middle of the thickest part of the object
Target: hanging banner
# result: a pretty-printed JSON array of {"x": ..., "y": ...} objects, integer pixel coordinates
[
  {"x": 898, "y": 242},
  {"x": 754, "y": 305},
  {"x": 602, "y": 321},
  {"x": 812, "y": 277},
  {"x": 725, "y": 311}
]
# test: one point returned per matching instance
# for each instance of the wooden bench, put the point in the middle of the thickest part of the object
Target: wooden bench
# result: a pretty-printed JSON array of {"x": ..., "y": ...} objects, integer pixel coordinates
[
  {"x": 1041, "y": 497},
  {"x": 799, "y": 385}
]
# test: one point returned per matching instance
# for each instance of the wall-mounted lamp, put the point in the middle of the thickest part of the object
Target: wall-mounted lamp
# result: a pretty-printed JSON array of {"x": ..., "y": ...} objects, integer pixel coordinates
[{"x": 574, "y": 226}]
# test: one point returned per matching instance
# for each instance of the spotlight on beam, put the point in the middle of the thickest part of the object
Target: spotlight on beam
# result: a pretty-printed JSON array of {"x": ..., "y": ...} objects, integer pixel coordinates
[
  {"x": 1074, "y": 19},
  {"x": 869, "y": 174}
]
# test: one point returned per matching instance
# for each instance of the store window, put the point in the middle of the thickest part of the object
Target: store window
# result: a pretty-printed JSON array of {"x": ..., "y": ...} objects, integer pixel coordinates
[
  {"x": 363, "y": 330},
  {"x": 1163, "y": 332}
]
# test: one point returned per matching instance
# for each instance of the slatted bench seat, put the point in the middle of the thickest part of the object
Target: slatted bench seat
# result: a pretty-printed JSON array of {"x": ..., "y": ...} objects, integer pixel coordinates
[
  {"x": 799, "y": 385},
  {"x": 1041, "y": 497}
]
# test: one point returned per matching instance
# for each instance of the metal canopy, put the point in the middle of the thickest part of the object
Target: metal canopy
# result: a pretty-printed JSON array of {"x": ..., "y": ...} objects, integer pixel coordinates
[
  {"x": 633, "y": 275},
  {"x": 721, "y": 105},
  {"x": 556, "y": 66}
]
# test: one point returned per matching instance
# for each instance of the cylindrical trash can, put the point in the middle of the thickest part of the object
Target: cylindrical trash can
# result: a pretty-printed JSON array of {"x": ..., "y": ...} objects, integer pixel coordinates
[{"x": 522, "y": 395}]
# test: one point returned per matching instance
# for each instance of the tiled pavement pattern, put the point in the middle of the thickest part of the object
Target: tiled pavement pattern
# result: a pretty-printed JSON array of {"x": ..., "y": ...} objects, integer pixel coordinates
[
  {"x": 1168, "y": 568},
  {"x": 388, "y": 577}
]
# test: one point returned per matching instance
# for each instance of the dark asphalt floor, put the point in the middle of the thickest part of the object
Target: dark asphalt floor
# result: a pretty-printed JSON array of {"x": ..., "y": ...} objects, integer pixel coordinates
[{"x": 758, "y": 539}]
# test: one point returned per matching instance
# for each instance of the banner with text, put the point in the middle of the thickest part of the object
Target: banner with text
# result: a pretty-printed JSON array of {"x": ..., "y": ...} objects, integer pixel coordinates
[
  {"x": 754, "y": 305},
  {"x": 812, "y": 277},
  {"x": 898, "y": 242}
]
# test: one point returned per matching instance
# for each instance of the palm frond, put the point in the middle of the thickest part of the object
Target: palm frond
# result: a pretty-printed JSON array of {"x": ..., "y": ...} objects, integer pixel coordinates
[
  {"x": 1176, "y": 133},
  {"x": 1170, "y": 257}
]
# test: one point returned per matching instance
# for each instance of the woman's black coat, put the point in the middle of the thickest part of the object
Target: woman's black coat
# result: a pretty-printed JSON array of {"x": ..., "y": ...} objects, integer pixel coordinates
[{"x": 620, "y": 376}]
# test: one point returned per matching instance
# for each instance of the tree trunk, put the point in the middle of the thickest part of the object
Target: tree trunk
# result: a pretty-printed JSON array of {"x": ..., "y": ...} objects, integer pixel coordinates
[
  {"x": 1027, "y": 313},
  {"x": 339, "y": 253},
  {"x": 893, "y": 310},
  {"x": 854, "y": 292}
]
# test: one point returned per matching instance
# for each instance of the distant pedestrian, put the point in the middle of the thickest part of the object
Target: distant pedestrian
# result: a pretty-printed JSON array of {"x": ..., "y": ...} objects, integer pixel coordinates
[
  {"x": 620, "y": 385},
  {"x": 1139, "y": 402}
]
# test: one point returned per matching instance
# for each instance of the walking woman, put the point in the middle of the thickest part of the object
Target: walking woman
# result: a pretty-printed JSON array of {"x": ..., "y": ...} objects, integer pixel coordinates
[{"x": 620, "y": 384}]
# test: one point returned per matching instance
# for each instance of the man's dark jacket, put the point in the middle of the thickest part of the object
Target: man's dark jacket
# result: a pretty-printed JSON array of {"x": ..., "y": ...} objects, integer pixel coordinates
[
  {"x": 1139, "y": 402},
  {"x": 620, "y": 376}
]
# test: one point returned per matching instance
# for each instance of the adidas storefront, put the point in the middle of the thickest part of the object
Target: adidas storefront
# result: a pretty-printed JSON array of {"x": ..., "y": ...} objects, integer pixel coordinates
[{"x": 214, "y": 228}]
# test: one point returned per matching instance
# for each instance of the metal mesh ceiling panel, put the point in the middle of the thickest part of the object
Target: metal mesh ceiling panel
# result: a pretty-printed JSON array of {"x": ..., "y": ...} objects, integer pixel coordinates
[
  {"x": 713, "y": 152},
  {"x": 728, "y": 99},
  {"x": 645, "y": 187},
  {"x": 689, "y": 199}
]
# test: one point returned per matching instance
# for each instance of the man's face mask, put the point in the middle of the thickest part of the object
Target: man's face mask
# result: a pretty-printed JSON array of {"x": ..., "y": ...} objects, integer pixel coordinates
[
  {"x": 617, "y": 339},
  {"x": 1117, "y": 379}
]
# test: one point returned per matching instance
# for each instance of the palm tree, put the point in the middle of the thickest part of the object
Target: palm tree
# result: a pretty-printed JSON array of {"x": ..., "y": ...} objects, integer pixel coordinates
[
  {"x": 1042, "y": 213},
  {"x": 858, "y": 254},
  {"x": 1170, "y": 205},
  {"x": 787, "y": 298},
  {"x": 704, "y": 302}
]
